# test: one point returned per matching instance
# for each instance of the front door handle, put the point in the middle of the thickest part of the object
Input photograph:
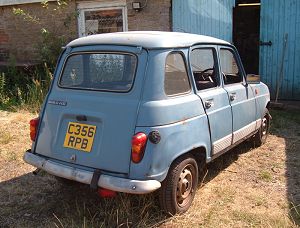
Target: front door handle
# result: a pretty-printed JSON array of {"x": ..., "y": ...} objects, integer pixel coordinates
[
  {"x": 208, "y": 104},
  {"x": 232, "y": 96}
]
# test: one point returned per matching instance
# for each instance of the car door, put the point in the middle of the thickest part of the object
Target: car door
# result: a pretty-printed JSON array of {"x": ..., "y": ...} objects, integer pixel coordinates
[
  {"x": 241, "y": 96},
  {"x": 209, "y": 88}
]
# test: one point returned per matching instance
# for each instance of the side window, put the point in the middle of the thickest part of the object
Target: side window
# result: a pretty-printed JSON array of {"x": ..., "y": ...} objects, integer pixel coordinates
[
  {"x": 176, "y": 76},
  {"x": 204, "y": 70},
  {"x": 229, "y": 67}
]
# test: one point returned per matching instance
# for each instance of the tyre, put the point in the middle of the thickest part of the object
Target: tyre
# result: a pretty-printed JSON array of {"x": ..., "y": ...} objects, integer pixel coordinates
[
  {"x": 261, "y": 136},
  {"x": 178, "y": 189}
]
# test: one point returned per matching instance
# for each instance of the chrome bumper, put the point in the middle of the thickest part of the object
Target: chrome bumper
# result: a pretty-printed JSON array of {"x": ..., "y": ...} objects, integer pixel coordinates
[{"x": 105, "y": 181}]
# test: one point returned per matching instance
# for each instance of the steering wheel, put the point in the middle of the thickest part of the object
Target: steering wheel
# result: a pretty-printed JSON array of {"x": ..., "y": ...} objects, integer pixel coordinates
[
  {"x": 208, "y": 77},
  {"x": 224, "y": 77}
]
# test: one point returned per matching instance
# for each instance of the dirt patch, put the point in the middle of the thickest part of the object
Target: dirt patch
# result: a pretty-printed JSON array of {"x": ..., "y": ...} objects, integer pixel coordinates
[{"x": 247, "y": 187}]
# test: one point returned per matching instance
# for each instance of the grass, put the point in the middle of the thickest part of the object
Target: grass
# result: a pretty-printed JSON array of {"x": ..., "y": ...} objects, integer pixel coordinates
[
  {"x": 281, "y": 118},
  {"x": 265, "y": 175},
  {"x": 295, "y": 212},
  {"x": 5, "y": 137},
  {"x": 246, "y": 187}
]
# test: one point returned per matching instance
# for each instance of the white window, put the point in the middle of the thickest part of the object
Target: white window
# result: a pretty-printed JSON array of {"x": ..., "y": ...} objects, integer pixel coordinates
[{"x": 102, "y": 17}]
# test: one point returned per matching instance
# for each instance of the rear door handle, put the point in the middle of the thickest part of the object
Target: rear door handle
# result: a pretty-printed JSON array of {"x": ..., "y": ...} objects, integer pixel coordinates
[
  {"x": 209, "y": 103},
  {"x": 232, "y": 96}
]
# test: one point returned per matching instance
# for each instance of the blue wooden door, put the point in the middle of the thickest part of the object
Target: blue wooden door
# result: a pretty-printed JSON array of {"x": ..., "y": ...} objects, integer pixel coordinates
[
  {"x": 280, "y": 59},
  {"x": 205, "y": 17}
]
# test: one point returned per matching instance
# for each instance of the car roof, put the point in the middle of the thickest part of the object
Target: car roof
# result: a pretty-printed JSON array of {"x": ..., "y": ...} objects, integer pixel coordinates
[{"x": 147, "y": 39}]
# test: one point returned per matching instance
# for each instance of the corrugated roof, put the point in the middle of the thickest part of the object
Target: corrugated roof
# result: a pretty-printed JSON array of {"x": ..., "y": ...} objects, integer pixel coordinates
[{"x": 147, "y": 39}]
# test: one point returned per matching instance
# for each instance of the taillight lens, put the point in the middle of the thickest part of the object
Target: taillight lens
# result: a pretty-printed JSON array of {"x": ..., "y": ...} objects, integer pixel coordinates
[
  {"x": 138, "y": 145},
  {"x": 34, "y": 123}
]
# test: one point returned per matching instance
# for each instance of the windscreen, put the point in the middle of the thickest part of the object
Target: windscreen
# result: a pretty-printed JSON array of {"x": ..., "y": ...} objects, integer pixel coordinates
[{"x": 99, "y": 71}]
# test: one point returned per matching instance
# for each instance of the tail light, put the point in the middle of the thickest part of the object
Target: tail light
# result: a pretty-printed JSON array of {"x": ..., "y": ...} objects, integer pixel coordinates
[
  {"x": 138, "y": 145},
  {"x": 34, "y": 123}
]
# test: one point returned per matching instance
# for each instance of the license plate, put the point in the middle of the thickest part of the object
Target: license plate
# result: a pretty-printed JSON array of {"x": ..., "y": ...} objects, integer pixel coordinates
[{"x": 80, "y": 136}]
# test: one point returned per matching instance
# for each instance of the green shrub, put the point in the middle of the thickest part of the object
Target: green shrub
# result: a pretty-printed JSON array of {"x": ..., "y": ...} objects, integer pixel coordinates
[{"x": 26, "y": 90}]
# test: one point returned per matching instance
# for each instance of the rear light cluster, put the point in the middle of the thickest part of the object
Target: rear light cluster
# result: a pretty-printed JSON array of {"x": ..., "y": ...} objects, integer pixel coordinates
[
  {"x": 34, "y": 123},
  {"x": 138, "y": 145}
]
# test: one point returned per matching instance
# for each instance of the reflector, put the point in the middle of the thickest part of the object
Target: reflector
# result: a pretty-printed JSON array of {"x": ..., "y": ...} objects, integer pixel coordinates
[{"x": 106, "y": 193}]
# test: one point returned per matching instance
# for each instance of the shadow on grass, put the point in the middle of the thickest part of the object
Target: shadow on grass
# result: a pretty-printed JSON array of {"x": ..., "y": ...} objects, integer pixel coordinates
[
  {"x": 287, "y": 125},
  {"x": 30, "y": 201}
]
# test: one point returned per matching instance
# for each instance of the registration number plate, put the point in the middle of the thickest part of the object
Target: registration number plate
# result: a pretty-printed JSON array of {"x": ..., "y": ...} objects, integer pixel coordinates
[{"x": 80, "y": 136}]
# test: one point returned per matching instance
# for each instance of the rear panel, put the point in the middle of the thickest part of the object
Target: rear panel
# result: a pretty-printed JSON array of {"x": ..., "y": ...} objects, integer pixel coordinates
[{"x": 90, "y": 125}]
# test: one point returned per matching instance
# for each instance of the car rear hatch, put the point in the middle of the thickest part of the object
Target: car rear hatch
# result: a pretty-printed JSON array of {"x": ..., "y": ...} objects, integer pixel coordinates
[{"x": 91, "y": 110}]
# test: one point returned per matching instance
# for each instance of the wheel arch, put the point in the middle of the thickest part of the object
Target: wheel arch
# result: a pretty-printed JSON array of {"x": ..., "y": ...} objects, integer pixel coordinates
[
  {"x": 268, "y": 105},
  {"x": 198, "y": 153}
]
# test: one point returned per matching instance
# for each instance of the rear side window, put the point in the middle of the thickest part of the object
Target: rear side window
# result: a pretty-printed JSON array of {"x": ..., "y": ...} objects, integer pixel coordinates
[
  {"x": 99, "y": 71},
  {"x": 176, "y": 77}
]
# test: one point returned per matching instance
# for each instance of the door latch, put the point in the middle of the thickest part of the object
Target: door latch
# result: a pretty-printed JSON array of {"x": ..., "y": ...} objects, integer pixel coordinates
[
  {"x": 262, "y": 43},
  {"x": 232, "y": 96},
  {"x": 208, "y": 104}
]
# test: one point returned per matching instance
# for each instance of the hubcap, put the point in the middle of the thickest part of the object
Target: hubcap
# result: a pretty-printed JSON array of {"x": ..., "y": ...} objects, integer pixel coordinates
[{"x": 185, "y": 186}]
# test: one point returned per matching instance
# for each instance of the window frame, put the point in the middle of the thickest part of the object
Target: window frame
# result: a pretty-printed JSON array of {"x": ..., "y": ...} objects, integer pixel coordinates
[
  {"x": 216, "y": 65},
  {"x": 93, "y": 89},
  {"x": 83, "y": 7},
  {"x": 186, "y": 70},
  {"x": 238, "y": 62}
]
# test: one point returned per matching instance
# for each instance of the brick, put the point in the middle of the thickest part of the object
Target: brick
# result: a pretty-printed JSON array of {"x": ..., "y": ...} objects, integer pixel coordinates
[{"x": 22, "y": 37}]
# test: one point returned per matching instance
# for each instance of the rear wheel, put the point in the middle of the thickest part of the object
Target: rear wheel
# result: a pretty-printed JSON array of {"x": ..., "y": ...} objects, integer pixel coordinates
[
  {"x": 262, "y": 135},
  {"x": 179, "y": 187}
]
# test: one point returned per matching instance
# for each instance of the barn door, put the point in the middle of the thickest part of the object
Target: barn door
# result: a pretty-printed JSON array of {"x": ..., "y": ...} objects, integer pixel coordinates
[{"x": 280, "y": 48}]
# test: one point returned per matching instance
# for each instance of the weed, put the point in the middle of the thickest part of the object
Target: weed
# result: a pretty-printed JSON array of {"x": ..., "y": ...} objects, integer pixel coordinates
[
  {"x": 247, "y": 217},
  {"x": 260, "y": 201},
  {"x": 265, "y": 176},
  {"x": 26, "y": 93},
  {"x": 295, "y": 212},
  {"x": 225, "y": 194},
  {"x": 5, "y": 137}
]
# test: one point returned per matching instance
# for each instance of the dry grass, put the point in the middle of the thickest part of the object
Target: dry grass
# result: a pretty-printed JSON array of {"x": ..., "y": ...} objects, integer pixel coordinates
[{"x": 246, "y": 187}]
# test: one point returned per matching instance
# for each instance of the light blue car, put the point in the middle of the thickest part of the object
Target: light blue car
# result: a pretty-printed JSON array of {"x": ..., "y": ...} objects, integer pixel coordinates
[{"x": 137, "y": 112}]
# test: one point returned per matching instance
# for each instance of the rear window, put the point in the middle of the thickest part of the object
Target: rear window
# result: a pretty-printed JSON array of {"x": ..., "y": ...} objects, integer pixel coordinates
[{"x": 99, "y": 71}]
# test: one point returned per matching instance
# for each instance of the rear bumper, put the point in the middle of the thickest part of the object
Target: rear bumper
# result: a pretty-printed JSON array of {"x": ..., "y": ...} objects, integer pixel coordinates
[{"x": 105, "y": 181}]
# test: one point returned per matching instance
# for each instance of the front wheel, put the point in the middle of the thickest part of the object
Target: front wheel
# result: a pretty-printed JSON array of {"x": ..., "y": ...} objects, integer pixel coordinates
[
  {"x": 261, "y": 136},
  {"x": 178, "y": 189}
]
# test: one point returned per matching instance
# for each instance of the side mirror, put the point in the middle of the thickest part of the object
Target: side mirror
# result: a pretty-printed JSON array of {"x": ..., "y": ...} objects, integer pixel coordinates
[{"x": 253, "y": 78}]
